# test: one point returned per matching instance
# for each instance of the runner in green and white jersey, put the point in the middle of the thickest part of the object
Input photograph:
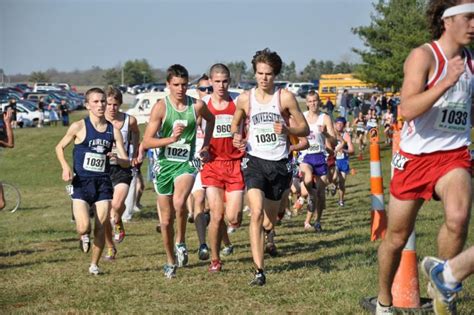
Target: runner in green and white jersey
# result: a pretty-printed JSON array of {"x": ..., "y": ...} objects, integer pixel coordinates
[{"x": 172, "y": 129}]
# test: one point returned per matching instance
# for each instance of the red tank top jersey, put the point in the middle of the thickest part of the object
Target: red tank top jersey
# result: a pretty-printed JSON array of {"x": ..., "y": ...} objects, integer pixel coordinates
[{"x": 221, "y": 147}]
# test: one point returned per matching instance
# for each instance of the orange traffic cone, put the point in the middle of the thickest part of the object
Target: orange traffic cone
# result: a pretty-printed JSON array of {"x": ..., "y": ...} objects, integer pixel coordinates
[
  {"x": 406, "y": 288},
  {"x": 378, "y": 215}
]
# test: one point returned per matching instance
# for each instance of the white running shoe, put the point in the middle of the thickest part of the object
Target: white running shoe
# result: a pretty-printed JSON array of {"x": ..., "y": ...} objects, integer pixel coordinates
[{"x": 94, "y": 269}]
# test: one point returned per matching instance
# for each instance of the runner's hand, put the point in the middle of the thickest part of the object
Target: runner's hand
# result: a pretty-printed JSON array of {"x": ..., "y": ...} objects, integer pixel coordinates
[
  {"x": 454, "y": 71},
  {"x": 67, "y": 175},
  {"x": 177, "y": 131},
  {"x": 280, "y": 128},
  {"x": 239, "y": 142},
  {"x": 204, "y": 155}
]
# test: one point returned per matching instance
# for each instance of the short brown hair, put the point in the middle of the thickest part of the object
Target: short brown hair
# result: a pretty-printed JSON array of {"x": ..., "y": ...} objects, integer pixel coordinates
[
  {"x": 219, "y": 68},
  {"x": 92, "y": 91},
  {"x": 434, "y": 12},
  {"x": 115, "y": 93},
  {"x": 313, "y": 93},
  {"x": 269, "y": 57},
  {"x": 176, "y": 70}
]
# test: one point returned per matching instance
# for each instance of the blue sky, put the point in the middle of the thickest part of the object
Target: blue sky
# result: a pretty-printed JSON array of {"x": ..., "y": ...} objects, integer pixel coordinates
[{"x": 36, "y": 35}]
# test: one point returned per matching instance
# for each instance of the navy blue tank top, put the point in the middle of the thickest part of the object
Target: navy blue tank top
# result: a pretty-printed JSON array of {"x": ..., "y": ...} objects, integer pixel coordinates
[{"x": 90, "y": 156}]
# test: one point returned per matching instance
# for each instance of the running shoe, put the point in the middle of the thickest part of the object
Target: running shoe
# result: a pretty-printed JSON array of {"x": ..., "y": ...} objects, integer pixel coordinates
[
  {"x": 287, "y": 215},
  {"x": 181, "y": 254},
  {"x": 341, "y": 203},
  {"x": 259, "y": 278},
  {"x": 94, "y": 270},
  {"x": 111, "y": 253},
  {"x": 299, "y": 204},
  {"x": 170, "y": 271},
  {"x": 271, "y": 249},
  {"x": 317, "y": 227},
  {"x": 227, "y": 250},
  {"x": 444, "y": 298},
  {"x": 333, "y": 190},
  {"x": 119, "y": 232},
  {"x": 215, "y": 266},
  {"x": 203, "y": 252},
  {"x": 85, "y": 243},
  {"x": 383, "y": 310},
  {"x": 231, "y": 229},
  {"x": 246, "y": 209}
]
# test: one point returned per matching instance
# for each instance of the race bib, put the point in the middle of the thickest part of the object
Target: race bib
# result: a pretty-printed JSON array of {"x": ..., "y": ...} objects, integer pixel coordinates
[
  {"x": 372, "y": 124},
  {"x": 265, "y": 137},
  {"x": 178, "y": 152},
  {"x": 222, "y": 126},
  {"x": 340, "y": 155},
  {"x": 453, "y": 118},
  {"x": 94, "y": 162},
  {"x": 314, "y": 148},
  {"x": 399, "y": 161}
]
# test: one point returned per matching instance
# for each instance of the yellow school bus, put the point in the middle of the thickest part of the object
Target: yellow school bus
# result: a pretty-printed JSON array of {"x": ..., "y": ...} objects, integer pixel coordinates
[{"x": 331, "y": 84}]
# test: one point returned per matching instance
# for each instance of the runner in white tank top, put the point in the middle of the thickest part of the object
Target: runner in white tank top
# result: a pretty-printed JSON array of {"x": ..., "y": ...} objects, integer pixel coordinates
[
  {"x": 263, "y": 142},
  {"x": 446, "y": 125},
  {"x": 434, "y": 161},
  {"x": 314, "y": 167},
  {"x": 267, "y": 172},
  {"x": 121, "y": 177}
]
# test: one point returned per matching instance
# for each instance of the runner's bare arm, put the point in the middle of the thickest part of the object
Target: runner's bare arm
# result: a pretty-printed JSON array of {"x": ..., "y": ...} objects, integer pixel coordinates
[
  {"x": 241, "y": 110},
  {"x": 350, "y": 145},
  {"x": 121, "y": 157},
  {"x": 415, "y": 100},
  {"x": 300, "y": 127},
  {"x": 70, "y": 136},
  {"x": 135, "y": 136},
  {"x": 204, "y": 112},
  {"x": 150, "y": 141},
  {"x": 329, "y": 131},
  {"x": 7, "y": 117}
]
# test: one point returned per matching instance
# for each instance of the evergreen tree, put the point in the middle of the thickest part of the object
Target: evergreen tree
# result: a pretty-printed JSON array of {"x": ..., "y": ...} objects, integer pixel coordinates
[{"x": 397, "y": 27}]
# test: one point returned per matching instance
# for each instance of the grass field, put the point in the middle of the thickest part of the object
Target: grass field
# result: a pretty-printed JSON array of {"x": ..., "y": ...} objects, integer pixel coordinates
[{"x": 43, "y": 270}]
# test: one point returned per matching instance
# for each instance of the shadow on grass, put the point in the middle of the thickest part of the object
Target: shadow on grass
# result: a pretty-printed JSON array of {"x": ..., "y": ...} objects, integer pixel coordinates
[
  {"x": 23, "y": 208},
  {"x": 20, "y": 252},
  {"x": 325, "y": 263},
  {"x": 11, "y": 266}
]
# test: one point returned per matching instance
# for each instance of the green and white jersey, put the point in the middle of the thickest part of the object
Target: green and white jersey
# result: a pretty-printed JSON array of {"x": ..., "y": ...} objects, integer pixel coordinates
[{"x": 183, "y": 149}]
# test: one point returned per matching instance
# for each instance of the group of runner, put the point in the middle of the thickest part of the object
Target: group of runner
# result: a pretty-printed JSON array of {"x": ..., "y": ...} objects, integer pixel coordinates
[
  {"x": 209, "y": 151},
  {"x": 247, "y": 143}
]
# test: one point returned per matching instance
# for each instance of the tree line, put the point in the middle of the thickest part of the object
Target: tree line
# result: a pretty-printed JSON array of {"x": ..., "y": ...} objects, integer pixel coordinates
[{"x": 397, "y": 26}]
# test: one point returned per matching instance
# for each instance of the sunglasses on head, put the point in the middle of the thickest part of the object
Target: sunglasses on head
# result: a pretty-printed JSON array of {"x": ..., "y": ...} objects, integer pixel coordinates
[{"x": 207, "y": 89}]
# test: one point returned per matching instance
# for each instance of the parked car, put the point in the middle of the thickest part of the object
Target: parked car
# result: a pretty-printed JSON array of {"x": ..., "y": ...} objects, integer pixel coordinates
[
  {"x": 294, "y": 86},
  {"x": 26, "y": 113}
]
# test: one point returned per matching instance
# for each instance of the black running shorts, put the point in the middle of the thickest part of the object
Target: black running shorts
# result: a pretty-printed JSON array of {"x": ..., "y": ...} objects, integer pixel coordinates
[
  {"x": 271, "y": 177},
  {"x": 120, "y": 175}
]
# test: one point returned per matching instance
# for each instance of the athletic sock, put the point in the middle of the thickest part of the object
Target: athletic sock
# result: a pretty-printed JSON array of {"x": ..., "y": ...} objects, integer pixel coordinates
[{"x": 449, "y": 280}]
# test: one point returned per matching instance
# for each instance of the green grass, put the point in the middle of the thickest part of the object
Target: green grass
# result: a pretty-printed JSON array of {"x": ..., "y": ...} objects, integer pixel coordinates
[{"x": 43, "y": 271}]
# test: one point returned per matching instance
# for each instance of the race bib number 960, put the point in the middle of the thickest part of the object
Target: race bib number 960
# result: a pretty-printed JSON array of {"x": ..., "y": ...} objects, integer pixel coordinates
[
  {"x": 94, "y": 162},
  {"x": 222, "y": 126}
]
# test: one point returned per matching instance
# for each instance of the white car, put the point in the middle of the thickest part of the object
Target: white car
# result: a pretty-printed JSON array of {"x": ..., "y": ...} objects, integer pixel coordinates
[
  {"x": 294, "y": 86},
  {"x": 26, "y": 112},
  {"x": 144, "y": 102}
]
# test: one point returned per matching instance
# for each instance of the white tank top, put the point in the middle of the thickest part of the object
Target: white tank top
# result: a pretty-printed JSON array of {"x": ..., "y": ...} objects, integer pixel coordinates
[
  {"x": 447, "y": 125},
  {"x": 125, "y": 130},
  {"x": 316, "y": 140},
  {"x": 263, "y": 142}
]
